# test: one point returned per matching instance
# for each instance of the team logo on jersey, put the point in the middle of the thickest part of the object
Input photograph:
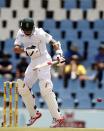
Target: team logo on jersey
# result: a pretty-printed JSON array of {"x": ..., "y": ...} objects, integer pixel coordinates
[
  {"x": 30, "y": 50},
  {"x": 27, "y": 25}
]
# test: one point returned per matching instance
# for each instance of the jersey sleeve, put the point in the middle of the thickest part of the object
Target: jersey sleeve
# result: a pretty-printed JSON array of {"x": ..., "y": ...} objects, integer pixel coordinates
[
  {"x": 47, "y": 37},
  {"x": 18, "y": 39}
]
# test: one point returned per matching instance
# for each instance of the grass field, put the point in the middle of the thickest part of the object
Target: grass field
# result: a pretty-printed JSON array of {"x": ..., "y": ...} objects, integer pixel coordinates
[{"x": 49, "y": 129}]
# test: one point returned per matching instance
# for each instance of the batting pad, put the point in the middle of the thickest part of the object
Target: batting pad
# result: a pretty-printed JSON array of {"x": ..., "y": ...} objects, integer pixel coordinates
[
  {"x": 27, "y": 97},
  {"x": 49, "y": 97}
]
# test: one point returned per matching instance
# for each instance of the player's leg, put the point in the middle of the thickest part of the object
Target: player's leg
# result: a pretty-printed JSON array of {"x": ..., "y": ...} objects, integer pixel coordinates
[
  {"x": 28, "y": 97},
  {"x": 49, "y": 96}
]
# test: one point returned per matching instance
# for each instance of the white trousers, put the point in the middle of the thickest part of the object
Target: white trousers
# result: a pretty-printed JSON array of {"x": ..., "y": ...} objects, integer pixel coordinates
[{"x": 44, "y": 76}]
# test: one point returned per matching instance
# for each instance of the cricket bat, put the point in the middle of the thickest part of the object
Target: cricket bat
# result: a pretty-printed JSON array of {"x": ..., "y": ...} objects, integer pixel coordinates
[{"x": 49, "y": 63}]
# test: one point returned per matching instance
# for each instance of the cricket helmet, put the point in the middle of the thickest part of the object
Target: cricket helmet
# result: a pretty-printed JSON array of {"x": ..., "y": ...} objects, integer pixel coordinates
[{"x": 27, "y": 24}]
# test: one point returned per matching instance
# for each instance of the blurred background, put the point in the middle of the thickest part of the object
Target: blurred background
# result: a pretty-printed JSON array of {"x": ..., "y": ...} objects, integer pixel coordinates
[{"x": 79, "y": 26}]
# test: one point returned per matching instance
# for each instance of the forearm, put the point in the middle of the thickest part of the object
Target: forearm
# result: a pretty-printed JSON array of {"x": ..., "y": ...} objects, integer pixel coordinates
[{"x": 57, "y": 47}]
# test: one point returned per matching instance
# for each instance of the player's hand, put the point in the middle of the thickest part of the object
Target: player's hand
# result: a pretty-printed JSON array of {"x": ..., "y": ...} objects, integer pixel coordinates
[
  {"x": 58, "y": 58},
  {"x": 18, "y": 50}
]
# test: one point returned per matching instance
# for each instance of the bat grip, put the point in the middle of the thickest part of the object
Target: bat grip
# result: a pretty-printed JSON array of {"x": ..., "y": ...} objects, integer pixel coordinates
[{"x": 49, "y": 63}]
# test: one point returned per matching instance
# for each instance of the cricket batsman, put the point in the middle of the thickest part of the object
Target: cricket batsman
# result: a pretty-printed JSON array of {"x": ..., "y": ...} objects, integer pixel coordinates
[{"x": 32, "y": 41}]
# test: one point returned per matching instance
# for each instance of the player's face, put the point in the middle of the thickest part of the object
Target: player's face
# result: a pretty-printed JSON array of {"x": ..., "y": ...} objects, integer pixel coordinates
[{"x": 27, "y": 33}]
